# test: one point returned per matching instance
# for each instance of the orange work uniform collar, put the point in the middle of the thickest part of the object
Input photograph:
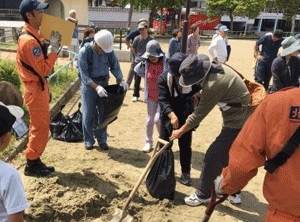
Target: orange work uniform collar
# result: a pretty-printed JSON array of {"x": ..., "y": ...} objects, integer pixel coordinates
[{"x": 30, "y": 29}]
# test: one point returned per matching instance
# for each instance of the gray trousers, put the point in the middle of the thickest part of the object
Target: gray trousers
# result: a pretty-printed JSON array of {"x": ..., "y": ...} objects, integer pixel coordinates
[{"x": 216, "y": 158}]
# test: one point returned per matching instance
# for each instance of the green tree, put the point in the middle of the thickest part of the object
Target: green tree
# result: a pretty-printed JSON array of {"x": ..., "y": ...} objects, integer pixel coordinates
[
  {"x": 244, "y": 8},
  {"x": 290, "y": 10},
  {"x": 154, "y": 5}
]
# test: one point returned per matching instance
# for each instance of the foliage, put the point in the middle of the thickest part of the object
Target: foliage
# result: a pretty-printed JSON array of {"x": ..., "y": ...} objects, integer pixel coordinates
[
  {"x": 290, "y": 7},
  {"x": 244, "y": 8},
  {"x": 250, "y": 8},
  {"x": 154, "y": 4},
  {"x": 8, "y": 72}
]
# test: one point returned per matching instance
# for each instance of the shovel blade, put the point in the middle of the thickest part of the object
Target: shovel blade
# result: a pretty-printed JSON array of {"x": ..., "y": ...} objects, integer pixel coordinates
[{"x": 118, "y": 215}]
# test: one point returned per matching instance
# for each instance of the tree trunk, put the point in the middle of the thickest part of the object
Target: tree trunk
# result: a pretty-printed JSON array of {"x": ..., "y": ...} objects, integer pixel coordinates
[
  {"x": 293, "y": 24},
  {"x": 130, "y": 14},
  {"x": 151, "y": 17},
  {"x": 231, "y": 20},
  {"x": 161, "y": 21}
]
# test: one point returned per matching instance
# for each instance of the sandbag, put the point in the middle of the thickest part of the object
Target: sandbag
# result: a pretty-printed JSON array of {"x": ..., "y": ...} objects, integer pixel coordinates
[
  {"x": 57, "y": 124},
  {"x": 10, "y": 94},
  {"x": 161, "y": 180},
  {"x": 112, "y": 104},
  {"x": 67, "y": 128}
]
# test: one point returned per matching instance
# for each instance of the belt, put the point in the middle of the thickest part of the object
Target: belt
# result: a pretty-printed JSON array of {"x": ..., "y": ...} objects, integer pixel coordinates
[{"x": 99, "y": 78}]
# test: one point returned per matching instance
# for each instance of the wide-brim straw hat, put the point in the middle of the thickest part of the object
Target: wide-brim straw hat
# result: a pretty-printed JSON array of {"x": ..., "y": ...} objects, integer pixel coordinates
[
  {"x": 193, "y": 69},
  {"x": 289, "y": 46}
]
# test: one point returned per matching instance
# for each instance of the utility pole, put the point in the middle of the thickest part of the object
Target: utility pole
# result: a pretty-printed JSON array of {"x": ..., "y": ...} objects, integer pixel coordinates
[{"x": 185, "y": 27}]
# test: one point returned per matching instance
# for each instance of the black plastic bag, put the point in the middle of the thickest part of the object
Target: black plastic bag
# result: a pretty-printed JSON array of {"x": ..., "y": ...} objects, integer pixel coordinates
[
  {"x": 57, "y": 124},
  {"x": 70, "y": 133},
  {"x": 65, "y": 128},
  {"x": 161, "y": 180},
  {"x": 112, "y": 104}
]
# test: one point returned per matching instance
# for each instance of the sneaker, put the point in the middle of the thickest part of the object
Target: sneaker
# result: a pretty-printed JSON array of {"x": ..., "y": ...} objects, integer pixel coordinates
[
  {"x": 104, "y": 146},
  {"x": 134, "y": 99},
  {"x": 147, "y": 148},
  {"x": 186, "y": 179},
  {"x": 235, "y": 198},
  {"x": 193, "y": 200},
  {"x": 88, "y": 147}
]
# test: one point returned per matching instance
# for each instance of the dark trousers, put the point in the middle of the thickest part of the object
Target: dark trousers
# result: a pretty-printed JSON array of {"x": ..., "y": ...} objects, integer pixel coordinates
[
  {"x": 184, "y": 142},
  {"x": 216, "y": 158},
  {"x": 137, "y": 82},
  {"x": 263, "y": 73}
]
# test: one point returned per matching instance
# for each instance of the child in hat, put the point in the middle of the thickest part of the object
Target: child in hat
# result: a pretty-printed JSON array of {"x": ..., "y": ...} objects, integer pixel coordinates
[
  {"x": 154, "y": 65},
  {"x": 12, "y": 196}
]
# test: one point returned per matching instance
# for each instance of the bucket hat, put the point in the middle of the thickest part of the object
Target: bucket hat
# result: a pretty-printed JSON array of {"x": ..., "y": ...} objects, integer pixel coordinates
[
  {"x": 290, "y": 45},
  {"x": 193, "y": 69},
  {"x": 218, "y": 26},
  {"x": 153, "y": 49},
  {"x": 175, "y": 62},
  {"x": 8, "y": 116}
]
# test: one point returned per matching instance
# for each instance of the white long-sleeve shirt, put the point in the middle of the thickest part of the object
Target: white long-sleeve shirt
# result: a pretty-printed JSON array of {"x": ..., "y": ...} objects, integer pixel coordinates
[{"x": 218, "y": 48}]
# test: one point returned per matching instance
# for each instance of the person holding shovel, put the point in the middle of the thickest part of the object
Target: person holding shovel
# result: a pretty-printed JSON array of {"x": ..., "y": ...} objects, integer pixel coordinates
[
  {"x": 221, "y": 86},
  {"x": 34, "y": 65},
  {"x": 264, "y": 136}
]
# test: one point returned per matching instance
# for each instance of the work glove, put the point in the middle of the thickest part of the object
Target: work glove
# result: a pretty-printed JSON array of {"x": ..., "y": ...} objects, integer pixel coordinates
[
  {"x": 124, "y": 85},
  {"x": 101, "y": 91},
  {"x": 218, "y": 185},
  {"x": 55, "y": 41}
]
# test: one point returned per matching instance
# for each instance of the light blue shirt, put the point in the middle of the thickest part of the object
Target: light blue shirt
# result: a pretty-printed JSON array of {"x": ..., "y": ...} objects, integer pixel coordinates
[{"x": 102, "y": 64}]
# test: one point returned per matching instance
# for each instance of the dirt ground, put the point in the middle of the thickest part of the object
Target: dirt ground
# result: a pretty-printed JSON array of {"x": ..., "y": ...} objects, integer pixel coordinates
[{"x": 88, "y": 185}]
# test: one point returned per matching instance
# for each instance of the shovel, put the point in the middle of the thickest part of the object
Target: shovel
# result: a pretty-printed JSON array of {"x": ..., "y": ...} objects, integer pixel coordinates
[
  {"x": 120, "y": 215},
  {"x": 212, "y": 204}
]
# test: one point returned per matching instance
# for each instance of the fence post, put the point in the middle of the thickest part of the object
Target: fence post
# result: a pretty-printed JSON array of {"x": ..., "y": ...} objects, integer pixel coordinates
[
  {"x": 120, "y": 38},
  {"x": 14, "y": 34},
  {"x": 2, "y": 35}
]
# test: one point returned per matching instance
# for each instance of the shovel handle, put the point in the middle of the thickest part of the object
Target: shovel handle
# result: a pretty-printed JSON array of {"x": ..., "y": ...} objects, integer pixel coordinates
[
  {"x": 149, "y": 165},
  {"x": 212, "y": 204}
]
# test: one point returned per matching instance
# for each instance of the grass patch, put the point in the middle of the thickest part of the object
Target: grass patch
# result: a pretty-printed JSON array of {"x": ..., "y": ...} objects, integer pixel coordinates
[{"x": 8, "y": 46}]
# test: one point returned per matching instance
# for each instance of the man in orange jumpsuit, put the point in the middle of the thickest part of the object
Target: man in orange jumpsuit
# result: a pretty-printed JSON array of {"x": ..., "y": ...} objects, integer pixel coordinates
[
  {"x": 34, "y": 65},
  {"x": 264, "y": 134}
]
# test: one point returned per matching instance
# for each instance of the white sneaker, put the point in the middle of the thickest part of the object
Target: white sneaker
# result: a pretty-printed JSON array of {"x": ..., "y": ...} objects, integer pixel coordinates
[
  {"x": 235, "y": 198},
  {"x": 134, "y": 99},
  {"x": 193, "y": 200},
  {"x": 147, "y": 148}
]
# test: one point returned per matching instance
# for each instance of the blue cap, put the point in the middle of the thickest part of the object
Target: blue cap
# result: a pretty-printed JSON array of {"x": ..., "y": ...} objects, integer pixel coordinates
[
  {"x": 29, "y": 5},
  {"x": 223, "y": 28}
]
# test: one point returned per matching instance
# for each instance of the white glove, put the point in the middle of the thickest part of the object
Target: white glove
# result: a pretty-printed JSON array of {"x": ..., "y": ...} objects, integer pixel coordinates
[
  {"x": 55, "y": 41},
  {"x": 124, "y": 85},
  {"x": 101, "y": 91},
  {"x": 218, "y": 185}
]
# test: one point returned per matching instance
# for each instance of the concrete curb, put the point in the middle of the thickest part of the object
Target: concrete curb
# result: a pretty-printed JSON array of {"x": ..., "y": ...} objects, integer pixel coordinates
[{"x": 63, "y": 99}]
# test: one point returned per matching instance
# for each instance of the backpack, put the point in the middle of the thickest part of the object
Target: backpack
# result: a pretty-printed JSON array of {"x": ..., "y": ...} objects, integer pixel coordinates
[
  {"x": 90, "y": 57},
  {"x": 256, "y": 90}
]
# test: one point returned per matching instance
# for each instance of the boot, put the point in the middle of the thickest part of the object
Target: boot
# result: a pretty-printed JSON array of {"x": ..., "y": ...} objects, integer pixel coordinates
[
  {"x": 35, "y": 168},
  {"x": 44, "y": 167}
]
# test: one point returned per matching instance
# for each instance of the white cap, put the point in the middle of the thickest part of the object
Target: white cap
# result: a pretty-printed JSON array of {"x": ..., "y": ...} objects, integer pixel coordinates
[
  {"x": 18, "y": 112},
  {"x": 105, "y": 40}
]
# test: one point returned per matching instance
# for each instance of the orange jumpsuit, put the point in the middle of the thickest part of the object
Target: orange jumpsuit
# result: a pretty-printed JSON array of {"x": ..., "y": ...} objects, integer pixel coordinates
[
  {"x": 30, "y": 52},
  {"x": 264, "y": 134}
]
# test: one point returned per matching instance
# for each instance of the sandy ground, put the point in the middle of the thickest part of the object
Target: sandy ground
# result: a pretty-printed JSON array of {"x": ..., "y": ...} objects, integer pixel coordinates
[{"x": 89, "y": 184}]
